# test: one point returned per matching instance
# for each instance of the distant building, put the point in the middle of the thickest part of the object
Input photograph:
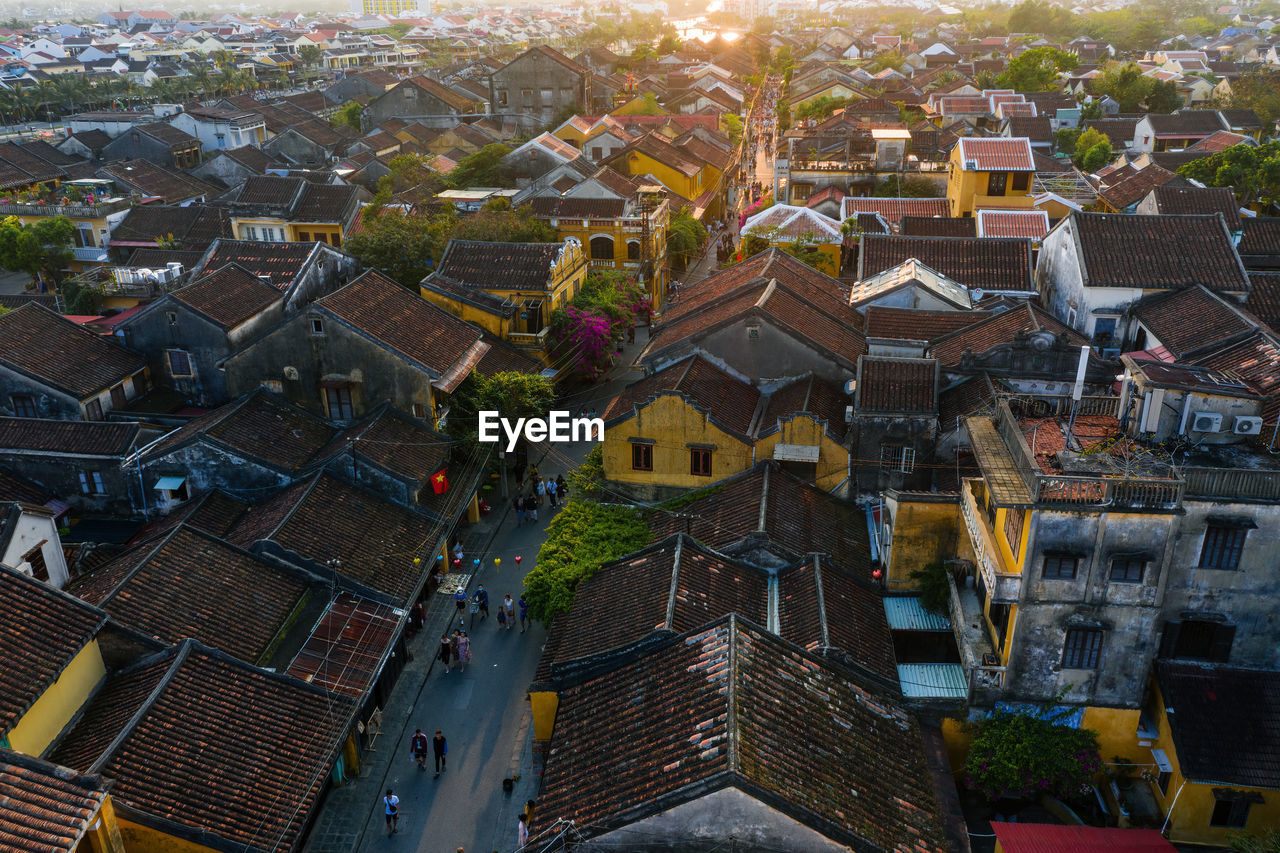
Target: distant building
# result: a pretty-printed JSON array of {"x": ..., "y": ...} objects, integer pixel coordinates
[{"x": 389, "y": 7}]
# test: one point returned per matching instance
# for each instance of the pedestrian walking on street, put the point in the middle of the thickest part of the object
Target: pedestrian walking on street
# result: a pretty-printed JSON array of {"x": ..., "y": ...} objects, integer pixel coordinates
[
  {"x": 542, "y": 490},
  {"x": 440, "y": 748},
  {"x": 392, "y": 804},
  {"x": 522, "y": 832},
  {"x": 562, "y": 491},
  {"x": 551, "y": 491},
  {"x": 518, "y": 506},
  {"x": 524, "y": 614},
  {"x": 509, "y": 606},
  {"x": 446, "y": 653},
  {"x": 502, "y": 617},
  {"x": 482, "y": 601},
  {"x": 418, "y": 748},
  {"x": 531, "y": 506},
  {"x": 464, "y": 650}
]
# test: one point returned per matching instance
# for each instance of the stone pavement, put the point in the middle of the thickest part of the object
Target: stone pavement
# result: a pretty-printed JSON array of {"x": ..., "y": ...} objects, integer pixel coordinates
[{"x": 484, "y": 712}]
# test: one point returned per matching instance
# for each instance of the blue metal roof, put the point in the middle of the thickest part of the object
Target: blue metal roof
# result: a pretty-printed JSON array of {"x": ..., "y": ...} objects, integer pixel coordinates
[
  {"x": 905, "y": 613},
  {"x": 933, "y": 680}
]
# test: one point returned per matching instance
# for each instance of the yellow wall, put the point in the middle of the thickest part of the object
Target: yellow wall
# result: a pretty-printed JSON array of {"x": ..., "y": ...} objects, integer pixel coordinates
[
  {"x": 42, "y": 722},
  {"x": 1189, "y": 816},
  {"x": 544, "y": 705},
  {"x": 1011, "y": 560},
  {"x": 571, "y": 134},
  {"x": 332, "y": 232},
  {"x": 1117, "y": 733},
  {"x": 672, "y": 423},
  {"x": 833, "y": 459},
  {"x": 968, "y": 190},
  {"x": 638, "y": 106},
  {"x": 105, "y": 837},
  {"x": 489, "y": 322},
  {"x": 959, "y": 739},
  {"x": 922, "y": 533},
  {"x": 678, "y": 182},
  {"x": 144, "y": 839}
]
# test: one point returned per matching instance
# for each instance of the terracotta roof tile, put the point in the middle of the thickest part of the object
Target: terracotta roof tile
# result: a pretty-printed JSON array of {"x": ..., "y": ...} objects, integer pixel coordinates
[
  {"x": 1177, "y": 200},
  {"x": 987, "y": 263},
  {"x": 996, "y": 154},
  {"x": 916, "y": 324},
  {"x": 938, "y": 226},
  {"x": 895, "y": 210},
  {"x": 195, "y": 737},
  {"x": 888, "y": 384},
  {"x": 92, "y": 438},
  {"x": 1026, "y": 224},
  {"x": 1264, "y": 298},
  {"x": 578, "y": 208},
  {"x": 347, "y": 647},
  {"x": 228, "y": 295},
  {"x": 152, "y": 180},
  {"x": 1190, "y": 319},
  {"x": 498, "y": 266},
  {"x": 279, "y": 262},
  {"x": 45, "y": 808},
  {"x": 1133, "y": 251},
  {"x": 1259, "y": 245},
  {"x": 1131, "y": 189},
  {"x": 53, "y": 350},
  {"x": 41, "y": 630},
  {"x": 728, "y": 401},
  {"x": 998, "y": 329},
  {"x": 405, "y": 322}
]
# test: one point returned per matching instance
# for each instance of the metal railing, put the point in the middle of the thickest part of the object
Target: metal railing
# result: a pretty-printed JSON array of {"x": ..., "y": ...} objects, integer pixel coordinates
[
  {"x": 1243, "y": 484},
  {"x": 1044, "y": 405},
  {"x": 1004, "y": 586},
  {"x": 89, "y": 253},
  {"x": 71, "y": 211}
]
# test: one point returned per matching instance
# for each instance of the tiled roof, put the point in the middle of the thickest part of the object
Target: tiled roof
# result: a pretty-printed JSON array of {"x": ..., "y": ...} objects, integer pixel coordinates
[
  {"x": 573, "y": 207},
  {"x": 1264, "y": 298},
  {"x": 325, "y": 518},
  {"x": 451, "y": 98},
  {"x": 53, "y": 350},
  {"x": 1133, "y": 251},
  {"x": 998, "y": 329},
  {"x": 400, "y": 445},
  {"x": 252, "y": 158},
  {"x": 733, "y": 706},
  {"x": 1044, "y": 838},
  {"x": 728, "y": 401},
  {"x": 968, "y": 397},
  {"x": 1027, "y": 224},
  {"x": 92, "y": 438},
  {"x": 1220, "y": 141},
  {"x": 810, "y": 395},
  {"x": 41, "y": 630},
  {"x": 1190, "y": 319},
  {"x": 228, "y": 295},
  {"x": 1132, "y": 189},
  {"x": 499, "y": 266},
  {"x": 195, "y": 737},
  {"x": 193, "y": 227},
  {"x": 1259, "y": 246},
  {"x": 797, "y": 517},
  {"x": 45, "y": 808},
  {"x": 152, "y": 180},
  {"x": 15, "y": 489},
  {"x": 938, "y": 226},
  {"x": 1256, "y": 360},
  {"x": 168, "y": 134},
  {"x": 888, "y": 384},
  {"x": 406, "y": 323},
  {"x": 988, "y": 263},
  {"x": 167, "y": 592},
  {"x": 1225, "y": 722},
  {"x": 988, "y": 154},
  {"x": 347, "y": 647},
  {"x": 260, "y": 426},
  {"x": 896, "y": 209},
  {"x": 1185, "y": 124},
  {"x": 850, "y": 624},
  {"x": 1037, "y": 128},
  {"x": 281, "y": 262},
  {"x": 1171, "y": 199},
  {"x": 504, "y": 358},
  {"x": 916, "y": 324}
]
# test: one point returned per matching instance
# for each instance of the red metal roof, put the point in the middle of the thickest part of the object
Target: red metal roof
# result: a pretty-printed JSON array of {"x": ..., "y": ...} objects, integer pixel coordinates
[{"x": 1048, "y": 838}]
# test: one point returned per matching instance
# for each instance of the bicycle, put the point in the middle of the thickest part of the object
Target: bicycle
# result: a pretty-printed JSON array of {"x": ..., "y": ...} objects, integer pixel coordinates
[{"x": 475, "y": 607}]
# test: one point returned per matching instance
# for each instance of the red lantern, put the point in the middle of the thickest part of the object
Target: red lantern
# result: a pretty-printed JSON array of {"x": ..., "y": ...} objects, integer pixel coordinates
[
  {"x": 457, "y": 564},
  {"x": 518, "y": 559},
  {"x": 876, "y": 574}
]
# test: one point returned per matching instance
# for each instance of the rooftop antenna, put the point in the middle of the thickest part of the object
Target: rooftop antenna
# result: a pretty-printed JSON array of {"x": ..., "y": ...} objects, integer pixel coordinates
[{"x": 1077, "y": 391}]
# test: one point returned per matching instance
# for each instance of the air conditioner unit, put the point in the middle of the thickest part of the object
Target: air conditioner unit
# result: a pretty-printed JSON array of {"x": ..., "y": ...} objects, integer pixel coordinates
[
  {"x": 1206, "y": 422},
  {"x": 1247, "y": 425}
]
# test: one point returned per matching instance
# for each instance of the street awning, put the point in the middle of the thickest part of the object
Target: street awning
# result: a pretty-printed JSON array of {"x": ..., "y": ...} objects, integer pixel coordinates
[{"x": 169, "y": 484}]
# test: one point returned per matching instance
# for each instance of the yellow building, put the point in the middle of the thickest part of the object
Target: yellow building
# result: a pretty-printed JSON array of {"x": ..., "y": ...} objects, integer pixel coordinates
[
  {"x": 624, "y": 234},
  {"x": 689, "y": 166},
  {"x": 1212, "y": 754},
  {"x": 55, "y": 808},
  {"x": 990, "y": 172},
  {"x": 640, "y": 105},
  {"x": 274, "y": 209},
  {"x": 693, "y": 424},
  {"x": 508, "y": 289},
  {"x": 95, "y": 207}
]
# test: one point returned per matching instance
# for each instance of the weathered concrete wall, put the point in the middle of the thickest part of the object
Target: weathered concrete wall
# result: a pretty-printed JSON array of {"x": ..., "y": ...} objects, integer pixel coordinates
[{"x": 536, "y": 86}]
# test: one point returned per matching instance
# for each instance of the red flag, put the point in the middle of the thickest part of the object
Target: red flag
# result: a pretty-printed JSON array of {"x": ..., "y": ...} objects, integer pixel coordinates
[{"x": 439, "y": 482}]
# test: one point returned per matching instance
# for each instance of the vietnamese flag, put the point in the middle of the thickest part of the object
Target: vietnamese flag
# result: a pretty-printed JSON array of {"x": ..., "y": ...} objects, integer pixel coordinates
[{"x": 439, "y": 482}]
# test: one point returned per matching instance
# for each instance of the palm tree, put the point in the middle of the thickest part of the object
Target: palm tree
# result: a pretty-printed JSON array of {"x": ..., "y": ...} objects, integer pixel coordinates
[
  {"x": 200, "y": 77},
  {"x": 71, "y": 90}
]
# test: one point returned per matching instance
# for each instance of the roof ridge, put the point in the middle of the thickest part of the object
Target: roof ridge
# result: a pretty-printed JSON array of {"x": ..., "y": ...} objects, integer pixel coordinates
[
  {"x": 733, "y": 746},
  {"x": 822, "y": 601},
  {"x": 182, "y": 651},
  {"x": 669, "y": 620},
  {"x": 160, "y": 542}
]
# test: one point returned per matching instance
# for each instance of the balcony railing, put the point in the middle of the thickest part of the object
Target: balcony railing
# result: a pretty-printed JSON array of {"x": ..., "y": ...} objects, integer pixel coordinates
[
  {"x": 1242, "y": 484},
  {"x": 986, "y": 682},
  {"x": 71, "y": 211},
  {"x": 606, "y": 263},
  {"x": 529, "y": 339},
  {"x": 1044, "y": 405},
  {"x": 89, "y": 253},
  {"x": 1003, "y": 586}
]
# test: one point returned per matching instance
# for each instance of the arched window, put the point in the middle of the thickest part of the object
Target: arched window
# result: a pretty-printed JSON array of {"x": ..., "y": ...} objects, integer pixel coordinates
[
  {"x": 602, "y": 248},
  {"x": 633, "y": 250}
]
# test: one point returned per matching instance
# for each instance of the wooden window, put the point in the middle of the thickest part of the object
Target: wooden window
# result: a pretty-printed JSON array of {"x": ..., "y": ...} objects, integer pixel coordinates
[
  {"x": 602, "y": 248},
  {"x": 93, "y": 410},
  {"x": 338, "y": 401},
  {"x": 118, "y": 399},
  {"x": 39, "y": 569},
  {"x": 335, "y": 239},
  {"x": 1013, "y": 520},
  {"x": 633, "y": 251},
  {"x": 996, "y": 182},
  {"x": 419, "y": 411},
  {"x": 179, "y": 363},
  {"x": 1128, "y": 569},
  {"x": 1197, "y": 639},
  {"x": 642, "y": 457},
  {"x": 1059, "y": 566},
  {"x": 1223, "y": 545},
  {"x": 91, "y": 483},
  {"x": 304, "y": 236},
  {"x": 1231, "y": 808},
  {"x": 1082, "y": 648},
  {"x": 1020, "y": 181},
  {"x": 700, "y": 462},
  {"x": 24, "y": 405},
  {"x": 321, "y": 237}
]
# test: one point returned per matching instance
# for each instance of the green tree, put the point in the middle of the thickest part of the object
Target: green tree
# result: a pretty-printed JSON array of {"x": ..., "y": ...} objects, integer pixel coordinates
[
  {"x": 668, "y": 44},
  {"x": 411, "y": 174},
  {"x": 1096, "y": 157},
  {"x": 1258, "y": 91},
  {"x": 1020, "y": 756},
  {"x": 497, "y": 222},
  {"x": 1125, "y": 84},
  {"x": 511, "y": 394},
  {"x": 1253, "y": 173},
  {"x": 906, "y": 186},
  {"x": 581, "y": 538},
  {"x": 1085, "y": 141},
  {"x": 1267, "y": 842},
  {"x": 732, "y": 125},
  {"x": 484, "y": 168},
  {"x": 40, "y": 249},
  {"x": 935, "y": 592},
  {"x": 400, "y": 244},
  {"x": 348, "y": 115},
  {"x": 1164, "y": 97},
  {"x": 1064, "y": 140},
  {"x": 310, "y": 55},
  {"x": 1037, "y": 70},
  {"x": 685, "y": 237},
  {"x": 1038, "y": 16}
]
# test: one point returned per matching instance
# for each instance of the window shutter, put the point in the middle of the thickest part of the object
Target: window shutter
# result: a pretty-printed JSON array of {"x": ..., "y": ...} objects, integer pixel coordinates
[
  {"x": 1169, "y": 640},
  {"x": 1221, "y": 650}
]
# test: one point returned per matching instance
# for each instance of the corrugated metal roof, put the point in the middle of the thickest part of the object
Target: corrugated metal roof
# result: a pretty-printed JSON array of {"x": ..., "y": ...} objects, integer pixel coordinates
[
  {"x": 906, "y": 613},
  {"x": 932, "y": 680}
]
